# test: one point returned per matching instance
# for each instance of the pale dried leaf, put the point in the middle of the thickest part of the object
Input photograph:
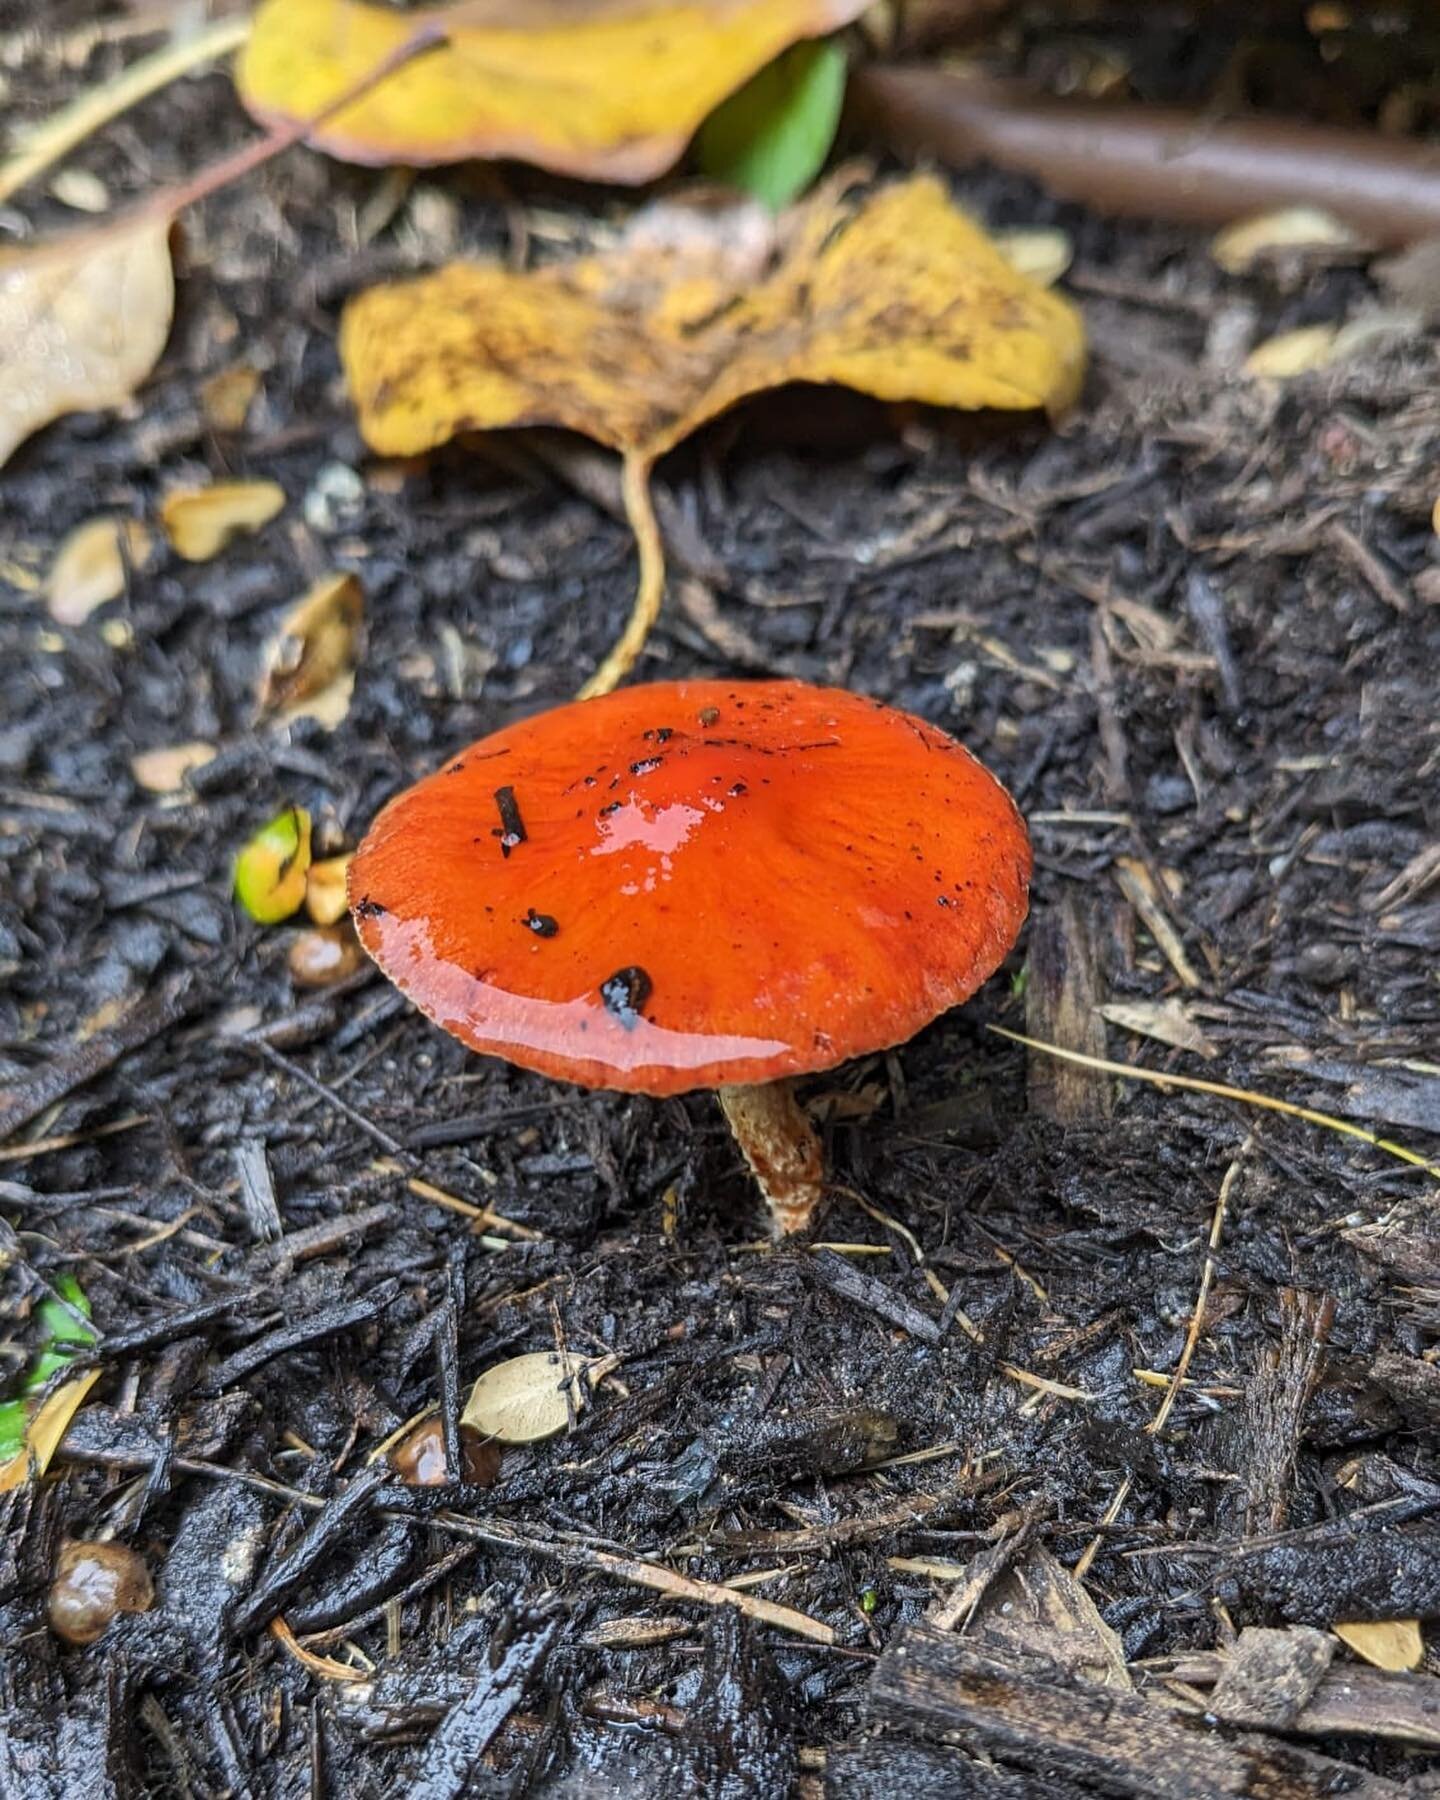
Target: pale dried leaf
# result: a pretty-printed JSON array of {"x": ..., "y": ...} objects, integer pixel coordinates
[
  {"x": 1167, "y": 1021},
  {"x": 81, "y": 325},
  {"x": 89, "y": 567},
  {"x": 200, "y": 522},
  {"x": 524, "y": 1399},
  {"x": 1394, "y": 1644}
]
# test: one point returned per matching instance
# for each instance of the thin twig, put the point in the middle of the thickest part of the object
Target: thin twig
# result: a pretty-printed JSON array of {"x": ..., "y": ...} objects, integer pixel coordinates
[{"x": 91, "y": 111}]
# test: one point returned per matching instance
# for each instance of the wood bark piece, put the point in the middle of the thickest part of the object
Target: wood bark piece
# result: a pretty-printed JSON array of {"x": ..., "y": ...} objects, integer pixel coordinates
[
  {"x": 1348, "y": 1701},
  {"x": 1064, "y": 988},
  {"x": 61, "y": 1077},
  {"x": 935, "y": 1685}
]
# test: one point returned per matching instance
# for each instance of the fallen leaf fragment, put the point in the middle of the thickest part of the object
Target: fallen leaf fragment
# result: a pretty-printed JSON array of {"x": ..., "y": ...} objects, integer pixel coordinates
[
  {"x": 46, "y": 1431},
  {"x": 314, "y": 646},
  {"x": 90, "y": 567},
  {"x": 1167, "y": 1021},
  {"x": 1394, "y": 1644},
  {"x": 270, "y": 871},
  {"x": 165, "y": 770},
  {"x": 200, "y": 522},
  {"x": 82, "y": 324},
  {"x": 1263, "y": 236},
  {"x": 893, "y": 292},
  {"x": 525, "y": 1399},
  {"x": 612, "y": 90},
  {"x": 325, "y": 896}
]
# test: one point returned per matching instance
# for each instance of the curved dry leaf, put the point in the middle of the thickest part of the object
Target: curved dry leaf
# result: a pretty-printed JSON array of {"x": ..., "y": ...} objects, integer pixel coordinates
[
  {"x": 611, "y": 89},
  {"x": 314, "y": 647},
  {"x": 81, "y": 324},
  {"x": 200, "y": 522},
  {"x": 894, "y": 292},
  {"x": 524, "y": 1399},
  {"x": 45, "y": 1432},
  {"x": 90, "y": 567}
]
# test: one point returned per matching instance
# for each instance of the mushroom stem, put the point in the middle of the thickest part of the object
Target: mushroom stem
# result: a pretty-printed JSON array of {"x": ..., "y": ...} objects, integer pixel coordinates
[{"x": 781, "y": 1148}]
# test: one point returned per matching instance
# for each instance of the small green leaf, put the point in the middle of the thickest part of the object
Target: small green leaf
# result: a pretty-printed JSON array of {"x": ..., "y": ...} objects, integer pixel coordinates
[
  {"x": 12, "y": 1428},
  {"x": 270, "y": 871},
  {"x": 58, "y": 1328},
  {"x": 772, "y": 137}
]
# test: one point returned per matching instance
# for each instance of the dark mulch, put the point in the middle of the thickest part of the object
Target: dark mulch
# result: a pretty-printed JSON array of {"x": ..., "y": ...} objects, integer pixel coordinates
[{"x": 1189, "y": 628}]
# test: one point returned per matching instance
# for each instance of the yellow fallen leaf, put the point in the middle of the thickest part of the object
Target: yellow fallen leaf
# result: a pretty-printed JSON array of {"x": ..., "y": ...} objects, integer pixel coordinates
[
  {"x": 1394, "y": 1644},
  {"x": 200, "y": 522},
  {"x": 611, "y": 89},
  {"x": 164, "y": 771},
  {"x": 81, "y": 324},
  {"x": 314, "y": 646},
  {"x": 45, "y": 1431},
  {"x": 893, "y": 292},
  {"x": 1295, "y": 228},
  {"x": 90, "y": 565}
]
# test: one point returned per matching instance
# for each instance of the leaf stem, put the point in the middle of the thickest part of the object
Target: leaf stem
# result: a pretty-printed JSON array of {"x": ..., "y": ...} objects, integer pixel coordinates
[{"x": 650, "y": 589}]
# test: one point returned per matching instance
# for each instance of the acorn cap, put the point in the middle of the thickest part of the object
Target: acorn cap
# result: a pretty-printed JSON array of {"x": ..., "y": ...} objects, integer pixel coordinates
[{"x": 695, "y": 884}]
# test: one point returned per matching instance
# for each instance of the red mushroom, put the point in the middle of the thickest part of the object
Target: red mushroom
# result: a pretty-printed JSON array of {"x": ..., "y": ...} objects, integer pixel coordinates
[{"x": 699, "y": 884}]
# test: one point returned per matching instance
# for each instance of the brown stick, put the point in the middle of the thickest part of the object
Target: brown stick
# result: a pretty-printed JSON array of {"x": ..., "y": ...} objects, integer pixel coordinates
[{"x": 1157, "y": 162}]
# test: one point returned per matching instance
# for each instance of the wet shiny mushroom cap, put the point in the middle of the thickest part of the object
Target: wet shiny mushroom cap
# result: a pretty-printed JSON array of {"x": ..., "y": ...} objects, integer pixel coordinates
[{"x": 694, "y": 884}]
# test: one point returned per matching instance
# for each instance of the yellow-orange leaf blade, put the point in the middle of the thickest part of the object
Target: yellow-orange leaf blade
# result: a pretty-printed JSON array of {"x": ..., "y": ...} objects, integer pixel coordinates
[
  {"x": 610, "y": 89},
  {"x": 81, "y": 325},
  {"x": 897, "y": 294}
]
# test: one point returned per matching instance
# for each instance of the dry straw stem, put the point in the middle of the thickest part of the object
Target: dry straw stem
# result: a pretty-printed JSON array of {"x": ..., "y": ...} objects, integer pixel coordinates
[
  {"x": 1247, "y": 1096},
  {"x": 92, "y": 111}
]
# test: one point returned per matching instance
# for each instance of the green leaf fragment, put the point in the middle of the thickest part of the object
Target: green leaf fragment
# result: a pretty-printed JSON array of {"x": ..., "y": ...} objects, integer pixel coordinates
[
  {"x": 771, "y": 137},
  {"x": 59, "y": 1330},
  {"x": 270, "y": 871}
]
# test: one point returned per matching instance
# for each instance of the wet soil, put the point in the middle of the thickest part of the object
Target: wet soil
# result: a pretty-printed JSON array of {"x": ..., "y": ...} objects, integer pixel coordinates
[{"x": 1193, "y": 627}]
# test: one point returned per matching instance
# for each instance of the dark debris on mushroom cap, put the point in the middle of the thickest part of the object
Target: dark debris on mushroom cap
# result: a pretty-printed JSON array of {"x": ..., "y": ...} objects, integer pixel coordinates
[{"x": 695, "y": 883}]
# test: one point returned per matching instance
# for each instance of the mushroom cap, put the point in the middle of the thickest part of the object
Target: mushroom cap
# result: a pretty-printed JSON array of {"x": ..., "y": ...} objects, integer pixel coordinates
[{"x": 694, "y": 884}]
